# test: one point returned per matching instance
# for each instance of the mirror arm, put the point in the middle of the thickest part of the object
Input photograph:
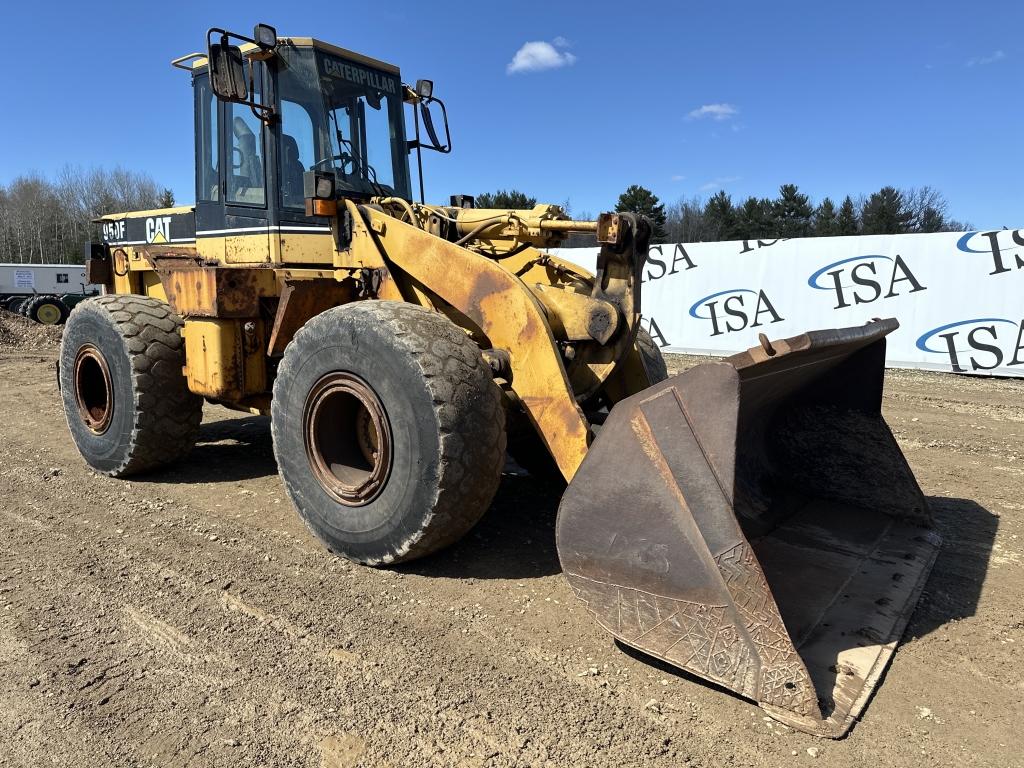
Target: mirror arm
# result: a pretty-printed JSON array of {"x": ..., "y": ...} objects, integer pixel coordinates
[
  {"x": 266, "y": 112},
  {"x": 263, "y": 112},
  {"x": 419, "y": 152}
]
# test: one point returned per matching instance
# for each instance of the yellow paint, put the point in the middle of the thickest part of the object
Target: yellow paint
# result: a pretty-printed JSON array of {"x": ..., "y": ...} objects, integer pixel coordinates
[
  {"x": 305, "y": 248},
  {"x": 507, "y": 313},
  {"x": 213, "y": 354},
  {"x": 147, "y": 213}
]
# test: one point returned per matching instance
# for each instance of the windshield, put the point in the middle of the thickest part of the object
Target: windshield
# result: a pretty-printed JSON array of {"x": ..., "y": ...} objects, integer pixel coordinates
[{"x": 341, "y": 115}]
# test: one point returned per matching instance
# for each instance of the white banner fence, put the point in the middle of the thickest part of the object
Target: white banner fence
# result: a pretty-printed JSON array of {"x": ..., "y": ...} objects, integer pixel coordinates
[{"x": 959, "y": 296}]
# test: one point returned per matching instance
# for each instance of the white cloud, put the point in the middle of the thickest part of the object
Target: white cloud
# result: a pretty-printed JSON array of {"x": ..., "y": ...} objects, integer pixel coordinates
[
  {"x": 992, "y": 58},
  {"x": 678, "y": 177},
  {"x": 539, "y": 55},
  {"x": 714, "y": 111},
  {"x": 719, "y": 183}
]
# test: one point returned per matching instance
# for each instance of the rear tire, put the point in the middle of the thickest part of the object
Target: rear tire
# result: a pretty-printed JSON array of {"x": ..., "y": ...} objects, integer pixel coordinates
[
  {"x": 388, "y": 430},
  {"x": 126, "y": 400},
  {"x": 47, "y": 310}
]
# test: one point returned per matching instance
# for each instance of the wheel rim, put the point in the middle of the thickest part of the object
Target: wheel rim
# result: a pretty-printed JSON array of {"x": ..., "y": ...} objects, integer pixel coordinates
[
  {"x": 48, "y": 314},
  {"x": 348, "y": 438},
  {"x": 94, "y": 393}
]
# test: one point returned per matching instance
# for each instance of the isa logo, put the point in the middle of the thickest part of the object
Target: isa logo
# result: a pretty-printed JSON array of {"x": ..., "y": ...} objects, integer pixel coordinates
[
  {"x": 1003, "y": 246},
  {"x": 981, "y": 344},
  {"x": 735, "y": 309},
  {"x": 865, "y": 279}
]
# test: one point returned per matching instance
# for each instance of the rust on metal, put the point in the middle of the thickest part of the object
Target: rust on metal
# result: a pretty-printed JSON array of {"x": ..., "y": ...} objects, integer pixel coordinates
[
  {"x": 302, "y": 299},
  {"x": 776, "y": 533},
  {"x": 576, "y": 316},
  {"x": 617, "y": 283},
  {"x": 197, "y": 289},
  {"x": 216, "y": 358},
  {"x": 98, "y": 272},
  {"x": 610, "y": 229},
  {"x": 347, "y": 436},
  {"x": 94, "y": 392}
]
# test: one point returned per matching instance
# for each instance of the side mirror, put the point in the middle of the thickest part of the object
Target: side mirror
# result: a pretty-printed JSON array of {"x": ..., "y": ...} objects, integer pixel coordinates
[
  {"x": 227, "y": 71},
  {"x": 428, "y": 124},
  {"x": 227, "y": 65}
]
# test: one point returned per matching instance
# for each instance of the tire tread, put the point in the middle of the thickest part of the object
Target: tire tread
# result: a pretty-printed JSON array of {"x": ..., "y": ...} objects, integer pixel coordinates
[
  {"x": 166, "y": 414},
  {"x": 451, "y": 367}
]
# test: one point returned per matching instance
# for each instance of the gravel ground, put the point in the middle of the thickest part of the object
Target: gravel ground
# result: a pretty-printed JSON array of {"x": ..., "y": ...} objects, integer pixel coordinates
[
  {"x": 187, "y": 618},
  {"x": 17, "y": 332}
]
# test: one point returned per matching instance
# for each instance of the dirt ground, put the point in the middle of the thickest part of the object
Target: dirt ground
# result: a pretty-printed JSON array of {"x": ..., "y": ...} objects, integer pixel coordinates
[{"x": 188, "y": 618}]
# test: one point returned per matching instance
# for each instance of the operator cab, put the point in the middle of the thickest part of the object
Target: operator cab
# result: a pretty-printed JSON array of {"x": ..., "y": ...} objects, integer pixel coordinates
[{"x": 282, "y": 120}]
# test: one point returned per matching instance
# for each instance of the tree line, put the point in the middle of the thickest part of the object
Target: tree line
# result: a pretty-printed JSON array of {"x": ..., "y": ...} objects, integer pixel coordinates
[
  {"x": 889, "y": 211},
  {"x": 47, "y": 221}
]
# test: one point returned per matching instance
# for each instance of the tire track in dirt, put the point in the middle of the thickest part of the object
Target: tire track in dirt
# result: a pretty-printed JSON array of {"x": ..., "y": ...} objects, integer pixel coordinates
[
  {"x": 223, "y": 635},
  {"x": 189, "y": 610}
]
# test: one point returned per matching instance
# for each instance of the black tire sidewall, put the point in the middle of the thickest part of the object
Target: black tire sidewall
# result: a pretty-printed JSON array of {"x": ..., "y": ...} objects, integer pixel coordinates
[
  {"x": 343, "y": 341},
  {"x": 107, "y": 451},
  {"x": 654, "y": 360},
  {"x": 37, "y": 304}
]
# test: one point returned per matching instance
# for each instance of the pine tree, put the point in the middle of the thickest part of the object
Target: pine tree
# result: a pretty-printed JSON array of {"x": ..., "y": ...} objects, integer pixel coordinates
[
  {"x": 792, "y": 213},
  {"x": 166, "y": 198},
  {"x": 932, "y": 220},
  {"x": 847, "y": 223},
  {"x": 637, "y": 199},
  {"x": 720, "y": 217},
  {"x": 512, "y": 199},
  {"x": 885, "y": 213},
  {"x": 826, "y": 220},
  {"x": 754, "y": 219}
]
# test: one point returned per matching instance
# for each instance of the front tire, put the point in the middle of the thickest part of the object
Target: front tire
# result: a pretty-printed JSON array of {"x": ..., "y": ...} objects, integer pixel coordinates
[
  {"x": 388, "y": 430},
  {"x": 653, "y": 360},
  {"x": 126, "y": 400}
]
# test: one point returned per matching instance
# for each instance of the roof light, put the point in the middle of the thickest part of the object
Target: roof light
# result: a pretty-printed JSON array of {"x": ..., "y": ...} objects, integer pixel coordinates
[
  {"x": 424, "y": 88},
  {"x": 265, "y": 36}
]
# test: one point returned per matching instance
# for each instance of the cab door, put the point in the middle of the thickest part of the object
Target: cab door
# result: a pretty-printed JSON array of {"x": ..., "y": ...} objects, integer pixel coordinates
[
  {"x": 209, "y": 184},
  {"x": 302, "y": 239},
  {"x": 246, "y": 211},
  {"x": 232, "y": 214}
]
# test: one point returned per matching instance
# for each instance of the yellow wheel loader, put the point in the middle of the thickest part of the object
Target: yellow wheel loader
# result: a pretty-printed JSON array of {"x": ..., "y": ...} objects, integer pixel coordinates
[{"x": 751, "y": 521}]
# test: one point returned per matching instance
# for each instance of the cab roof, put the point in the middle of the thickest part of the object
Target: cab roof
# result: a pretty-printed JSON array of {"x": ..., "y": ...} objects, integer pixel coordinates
[{"x": 196, "y": 61}]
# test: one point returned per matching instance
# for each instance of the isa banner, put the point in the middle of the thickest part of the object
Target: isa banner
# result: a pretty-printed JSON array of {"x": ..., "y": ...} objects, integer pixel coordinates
[{"x": 959, "y": 296}]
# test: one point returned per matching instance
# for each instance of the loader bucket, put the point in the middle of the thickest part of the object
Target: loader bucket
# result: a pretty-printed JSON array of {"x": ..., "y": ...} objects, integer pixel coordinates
[{"x": 754, "y": 523}]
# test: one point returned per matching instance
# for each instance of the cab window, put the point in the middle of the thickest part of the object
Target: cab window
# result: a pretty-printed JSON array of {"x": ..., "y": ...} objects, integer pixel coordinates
[
  {"x": 246, "y": 170},
  {"x": 207, "y": 181},
  {"x": 297, "y": 151}
]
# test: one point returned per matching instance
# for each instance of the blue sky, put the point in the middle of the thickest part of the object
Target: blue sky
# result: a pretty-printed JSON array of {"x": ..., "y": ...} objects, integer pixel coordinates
[{"x": 682, "y": 97}]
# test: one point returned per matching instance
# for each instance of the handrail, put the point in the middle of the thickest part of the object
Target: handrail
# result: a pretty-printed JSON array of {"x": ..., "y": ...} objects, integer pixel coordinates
[{"x": 179, "y": 62}]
